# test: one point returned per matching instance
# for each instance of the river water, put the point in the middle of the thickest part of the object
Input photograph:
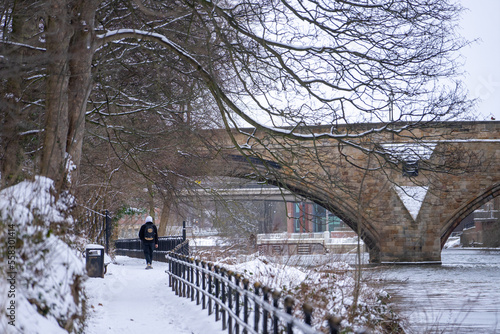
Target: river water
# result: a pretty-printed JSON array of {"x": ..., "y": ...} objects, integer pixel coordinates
[{"x": 460, "y": 296}]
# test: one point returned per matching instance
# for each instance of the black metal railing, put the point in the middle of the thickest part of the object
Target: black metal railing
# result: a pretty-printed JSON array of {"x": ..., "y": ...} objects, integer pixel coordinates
[
  {"x": 96, "y": 225},
  {"x": 240, "y": 309},
  {"x": 133, "y": 247}
]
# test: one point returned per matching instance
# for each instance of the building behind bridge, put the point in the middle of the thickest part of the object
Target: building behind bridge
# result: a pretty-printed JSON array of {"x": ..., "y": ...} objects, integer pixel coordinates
[
  {"x": 283, "y": 223},
  {"x": 482, "y": 229}
]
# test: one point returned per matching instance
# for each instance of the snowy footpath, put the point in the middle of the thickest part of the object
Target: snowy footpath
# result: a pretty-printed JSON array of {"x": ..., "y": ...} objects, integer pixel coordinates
[{"x": 131, "y": 300}]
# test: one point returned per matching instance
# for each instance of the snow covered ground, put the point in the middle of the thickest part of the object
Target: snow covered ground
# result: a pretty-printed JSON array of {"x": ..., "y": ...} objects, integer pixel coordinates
[{"x": 133, "y": 300}]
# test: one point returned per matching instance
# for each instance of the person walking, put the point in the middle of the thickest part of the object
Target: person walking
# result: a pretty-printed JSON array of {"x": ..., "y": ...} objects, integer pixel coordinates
[{"x": 149, "y": 237}]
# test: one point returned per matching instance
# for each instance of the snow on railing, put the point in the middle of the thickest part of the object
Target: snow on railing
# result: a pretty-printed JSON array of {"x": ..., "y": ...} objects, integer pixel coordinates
[{"x": 227, "y": 294}]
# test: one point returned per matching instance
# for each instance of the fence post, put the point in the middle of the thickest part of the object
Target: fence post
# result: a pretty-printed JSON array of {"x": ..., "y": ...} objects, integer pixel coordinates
[
  {"x": 203, "y": 286},
  {"x": 223, "y": 299},
  {"x": 276, "y": 297},
  {"x": 265, "y": 293},
  {"x": 108, "y": 226},
  {"x": 256, "y": 286},
  {"x": 184, "y": 231},
  {"x": 230, "y": 301},
  {"x": 237, "y": 278},
  {"x": 179, "y": 268},
  {"x": 177, "y": 272},
  {"x": 245, "y": 304},
  {"x": 307, "y": 309},
  {"x": 197, "y": 262},
  {"x": 217, "y": 292},
  {"x": 289, "y": 307},
  {"x": 191, "y": 277},
  {"x": 209, "y": 265},
  {"x": 170, "y": 271},
  {"x": 334, "y": 323},
  {"x": 174, "y": 271},
  {"x": 188, "y": 278},
  {"x": 185, "y": 274}
]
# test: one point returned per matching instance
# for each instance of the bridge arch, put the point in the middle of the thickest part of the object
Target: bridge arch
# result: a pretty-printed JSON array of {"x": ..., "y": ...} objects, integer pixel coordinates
[
  {"x": 271, "y": 172},
  {"x": 473, "y": 204}
]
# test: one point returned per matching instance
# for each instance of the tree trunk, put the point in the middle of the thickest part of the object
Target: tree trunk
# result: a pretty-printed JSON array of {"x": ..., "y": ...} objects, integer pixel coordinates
[
  {"x": 81, "y": 51},
  {"x": 70, "y": 49},
  {"x": 56, "y": 106},
  {"x": 11, "y": 119},
  {"x": 9, "y": 131},
  {"x": 168, "y": 198},
  {"x": 165, "y": 212}
]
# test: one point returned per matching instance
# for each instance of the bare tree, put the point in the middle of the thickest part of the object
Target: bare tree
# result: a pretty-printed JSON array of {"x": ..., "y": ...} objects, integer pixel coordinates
[
  {"x": 148, "y": 75},
  {"x": 285, "y": 63},
  {"x": 159, "y": 67}
]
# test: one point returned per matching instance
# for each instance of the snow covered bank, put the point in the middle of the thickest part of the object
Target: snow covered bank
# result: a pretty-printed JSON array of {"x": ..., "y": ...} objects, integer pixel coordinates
[
  {"x": 329, "y": 288},
  {"x": 130, "y": 299},
  {"x": 40, "y": 274},
  {"x": 453, "y": 242}
]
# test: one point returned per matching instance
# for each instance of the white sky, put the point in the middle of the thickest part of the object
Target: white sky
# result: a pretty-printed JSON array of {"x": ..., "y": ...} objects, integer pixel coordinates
[
  {"x": 482, "y": 22},
  {"x": 482, "y": 58}
]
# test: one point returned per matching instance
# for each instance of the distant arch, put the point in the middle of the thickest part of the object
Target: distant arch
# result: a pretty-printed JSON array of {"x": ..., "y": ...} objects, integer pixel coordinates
[
  {"x": 272, "y": 173},
  {"x": 473, "y": 205}
]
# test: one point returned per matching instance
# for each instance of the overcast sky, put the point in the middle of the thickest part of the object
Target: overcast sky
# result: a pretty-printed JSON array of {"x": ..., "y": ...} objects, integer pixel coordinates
[{"x": 482, "y": 21}]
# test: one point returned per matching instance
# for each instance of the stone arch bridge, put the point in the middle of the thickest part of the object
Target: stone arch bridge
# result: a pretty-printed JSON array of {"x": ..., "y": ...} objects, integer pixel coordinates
[{"x": 403, "y": 197}]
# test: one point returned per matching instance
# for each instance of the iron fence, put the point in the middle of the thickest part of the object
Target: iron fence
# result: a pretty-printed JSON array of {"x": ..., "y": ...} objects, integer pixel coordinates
[
  {"x": 133, "y": 247},
  {"x": 240, "y": 309},
  {"x": 96, "y": 225}
]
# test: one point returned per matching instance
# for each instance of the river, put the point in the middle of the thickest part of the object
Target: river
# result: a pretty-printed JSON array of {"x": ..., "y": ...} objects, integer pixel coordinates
[{"x": 460, "y": 296}]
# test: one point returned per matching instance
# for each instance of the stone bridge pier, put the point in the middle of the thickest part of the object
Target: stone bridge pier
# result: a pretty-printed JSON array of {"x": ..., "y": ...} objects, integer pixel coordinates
[{"x": 403, "y": 198}]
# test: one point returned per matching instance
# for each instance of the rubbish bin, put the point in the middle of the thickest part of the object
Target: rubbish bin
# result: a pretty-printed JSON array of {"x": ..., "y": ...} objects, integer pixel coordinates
[{"x": 94, "y": 255}]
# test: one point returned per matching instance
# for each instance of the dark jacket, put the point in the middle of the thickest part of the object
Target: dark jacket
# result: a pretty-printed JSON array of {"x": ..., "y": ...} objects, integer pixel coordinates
[{"x": 155, "y": 231}]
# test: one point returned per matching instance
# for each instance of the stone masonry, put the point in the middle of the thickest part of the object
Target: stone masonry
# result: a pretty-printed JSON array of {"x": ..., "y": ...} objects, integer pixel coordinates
[{"x": 403, "y": 194}]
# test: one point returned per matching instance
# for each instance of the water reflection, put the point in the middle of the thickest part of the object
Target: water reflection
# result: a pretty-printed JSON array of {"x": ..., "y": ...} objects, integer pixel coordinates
[{"x": 460, "y": 296}]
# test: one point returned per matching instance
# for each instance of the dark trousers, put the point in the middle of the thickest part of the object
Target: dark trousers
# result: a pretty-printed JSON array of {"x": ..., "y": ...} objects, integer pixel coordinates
[{"x": 148, "y": 251}]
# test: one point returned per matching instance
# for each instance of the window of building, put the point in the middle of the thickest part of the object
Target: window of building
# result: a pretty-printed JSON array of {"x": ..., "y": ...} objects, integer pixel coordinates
[
  {"x": 311, "y": 217},
  {"x": 319, "y": 218},
  {"x": 297, "y": 215}
]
